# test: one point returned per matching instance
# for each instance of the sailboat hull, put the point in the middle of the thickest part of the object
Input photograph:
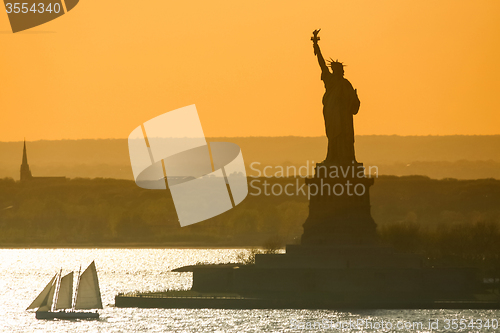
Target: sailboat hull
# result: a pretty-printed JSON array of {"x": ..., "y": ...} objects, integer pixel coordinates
[{"x": 66, "y": 315}]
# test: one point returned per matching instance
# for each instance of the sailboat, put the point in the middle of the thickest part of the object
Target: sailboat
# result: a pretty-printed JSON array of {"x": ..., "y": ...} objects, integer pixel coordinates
[{"x": 56, "y": 299}]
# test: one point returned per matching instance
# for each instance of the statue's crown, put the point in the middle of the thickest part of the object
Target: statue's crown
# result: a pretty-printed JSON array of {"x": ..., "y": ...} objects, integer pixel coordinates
[{"x": 335, "y": 63}]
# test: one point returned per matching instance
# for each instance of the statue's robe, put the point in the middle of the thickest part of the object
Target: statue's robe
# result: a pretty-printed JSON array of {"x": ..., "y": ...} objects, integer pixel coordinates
[{"x": 340, "y": 103}]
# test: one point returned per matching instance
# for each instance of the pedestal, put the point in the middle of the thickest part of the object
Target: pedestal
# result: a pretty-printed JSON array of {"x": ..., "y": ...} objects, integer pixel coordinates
[{"x": 339, "y": 207}]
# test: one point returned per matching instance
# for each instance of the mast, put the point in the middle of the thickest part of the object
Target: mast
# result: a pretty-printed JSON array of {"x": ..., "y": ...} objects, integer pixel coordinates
[
  {"x": 56, "y": 294},
  {"x": 76, "y": 291}
]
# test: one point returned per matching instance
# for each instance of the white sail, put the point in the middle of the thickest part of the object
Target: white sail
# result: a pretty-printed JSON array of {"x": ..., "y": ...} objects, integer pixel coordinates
[
  {"x": 88, "y": 294},
  {"x": 65, "y": 296},
  {"x": 47, "y": 302},
  {"x": 42, "y": 298}
]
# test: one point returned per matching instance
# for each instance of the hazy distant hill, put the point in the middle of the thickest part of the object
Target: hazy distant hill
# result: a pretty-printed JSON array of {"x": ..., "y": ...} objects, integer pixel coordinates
[
  {"x": 463, "y": 157},
  {"x": 409, "y": 210}
]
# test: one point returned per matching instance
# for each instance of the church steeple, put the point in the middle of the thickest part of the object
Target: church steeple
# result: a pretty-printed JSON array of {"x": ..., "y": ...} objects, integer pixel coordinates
[
  {"x": 25, "y": 157},
  {"x": 25, "y": 168}
]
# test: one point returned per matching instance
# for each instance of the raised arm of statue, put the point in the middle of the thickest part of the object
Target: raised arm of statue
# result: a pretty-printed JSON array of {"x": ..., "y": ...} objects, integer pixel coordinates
[{"x": 317, "y": 52}]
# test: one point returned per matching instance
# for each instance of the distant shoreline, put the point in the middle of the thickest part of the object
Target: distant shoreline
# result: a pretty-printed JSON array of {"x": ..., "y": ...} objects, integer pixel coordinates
[
  {"x": 120, "y": 246},
  {"x": 452, "y": 156},
  {"x": 265, "y": 137}
]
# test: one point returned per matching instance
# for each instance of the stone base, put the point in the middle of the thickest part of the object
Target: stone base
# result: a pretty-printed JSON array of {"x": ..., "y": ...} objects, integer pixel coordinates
[
  {"x": 339, "y": 257},
  {"x": 340, "y": 273},
  {"x": 339, "y": 207},
  {"x": 355, "y": 284}
]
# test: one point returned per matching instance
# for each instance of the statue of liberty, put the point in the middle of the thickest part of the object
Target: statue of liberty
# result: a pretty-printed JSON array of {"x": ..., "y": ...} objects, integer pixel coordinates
[{"x": 340, "y": 103}]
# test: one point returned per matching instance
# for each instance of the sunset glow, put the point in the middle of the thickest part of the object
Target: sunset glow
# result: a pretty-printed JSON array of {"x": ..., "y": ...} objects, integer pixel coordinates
[{"x": 420, "y": 67}]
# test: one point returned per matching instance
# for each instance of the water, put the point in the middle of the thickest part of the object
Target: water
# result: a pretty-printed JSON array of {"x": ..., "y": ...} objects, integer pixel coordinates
[{"x": 24, "y": 273}]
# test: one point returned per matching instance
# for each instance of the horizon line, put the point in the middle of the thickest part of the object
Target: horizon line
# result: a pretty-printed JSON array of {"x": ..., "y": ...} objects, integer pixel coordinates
[{"x": 267, "y": 137}]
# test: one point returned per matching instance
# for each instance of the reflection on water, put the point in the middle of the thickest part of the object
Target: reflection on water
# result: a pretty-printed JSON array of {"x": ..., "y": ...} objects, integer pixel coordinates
[{"x": 24, "y": 272}]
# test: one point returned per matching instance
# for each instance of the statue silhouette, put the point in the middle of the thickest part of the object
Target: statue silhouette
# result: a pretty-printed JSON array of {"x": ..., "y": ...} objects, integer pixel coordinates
[{"x": 340, "y": 103}]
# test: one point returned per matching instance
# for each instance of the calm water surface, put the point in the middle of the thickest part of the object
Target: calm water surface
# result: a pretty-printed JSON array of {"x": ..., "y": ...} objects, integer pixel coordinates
[{"x": 24, "y": 273}]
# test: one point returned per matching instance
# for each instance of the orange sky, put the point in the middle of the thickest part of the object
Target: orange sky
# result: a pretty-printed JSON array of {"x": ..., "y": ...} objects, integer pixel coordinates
[{"x": 421, "y": 67}]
